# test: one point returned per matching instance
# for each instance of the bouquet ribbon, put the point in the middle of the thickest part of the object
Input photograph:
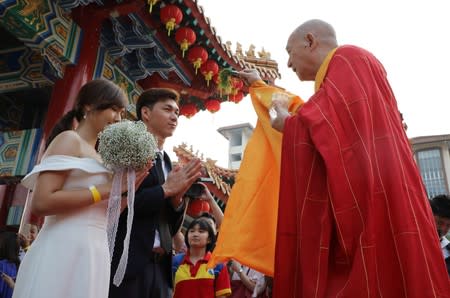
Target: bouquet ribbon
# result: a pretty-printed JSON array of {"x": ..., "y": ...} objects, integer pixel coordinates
[{"x": 113, "y": 214}]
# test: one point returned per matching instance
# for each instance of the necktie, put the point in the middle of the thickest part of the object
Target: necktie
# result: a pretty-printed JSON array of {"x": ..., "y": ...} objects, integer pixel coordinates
[
  {"x": 163, "y": 225},
  {"x": 159, "y": 168}
]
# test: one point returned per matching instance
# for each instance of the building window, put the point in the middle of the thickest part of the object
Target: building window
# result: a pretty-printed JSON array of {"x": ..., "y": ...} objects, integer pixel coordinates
[{"x": 432, "y": 171}]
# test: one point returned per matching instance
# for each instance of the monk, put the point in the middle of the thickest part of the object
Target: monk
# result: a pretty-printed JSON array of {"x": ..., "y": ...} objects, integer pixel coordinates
[{"x": 353, "y": 217}]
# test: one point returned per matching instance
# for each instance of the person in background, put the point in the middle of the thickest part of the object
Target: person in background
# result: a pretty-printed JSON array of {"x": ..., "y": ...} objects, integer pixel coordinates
[
  {"x": 26, "y": 240},
  {"x": 246, "y": 282},
  {"x": 179, "y": 244},
  {"x": 215, "y": 211},
  {"x": 9, "y": 262},
  {"x": 192, "y": 277},
  {"x": 440, "y": 206}
]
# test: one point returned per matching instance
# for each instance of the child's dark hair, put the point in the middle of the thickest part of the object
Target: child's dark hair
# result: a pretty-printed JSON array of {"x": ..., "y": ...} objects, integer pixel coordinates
[
  {"x": 100, "y": 94},
  {"x": 208, "y": 215},
  {"x": 9, "y": 247},
  {"x": 149, "y": 97},
  {"x": 204, "y": 225},
  {"x": 440, "y": 205}
]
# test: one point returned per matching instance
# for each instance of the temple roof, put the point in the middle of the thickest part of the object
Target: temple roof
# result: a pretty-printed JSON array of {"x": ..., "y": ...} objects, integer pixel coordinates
[
  {"x": 141, "y": 45},
  {"x": 223, "y": 178}
]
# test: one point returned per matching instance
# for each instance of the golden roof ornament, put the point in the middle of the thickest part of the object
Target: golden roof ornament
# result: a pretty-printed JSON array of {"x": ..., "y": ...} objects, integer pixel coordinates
[
  {"x": 251, "y": 51},
  {"x": 239, "y": 52},
  {"x": 263, "y": 54}
]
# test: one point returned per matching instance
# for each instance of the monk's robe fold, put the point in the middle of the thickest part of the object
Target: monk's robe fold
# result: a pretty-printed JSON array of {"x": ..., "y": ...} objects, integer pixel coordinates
[
  {"x": 247, "y": 233},
  {"x": 354, "y": 220}
]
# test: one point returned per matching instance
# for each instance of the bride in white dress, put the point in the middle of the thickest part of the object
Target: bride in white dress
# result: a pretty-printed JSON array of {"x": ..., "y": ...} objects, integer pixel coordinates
[{"x": 70, "y": 256}]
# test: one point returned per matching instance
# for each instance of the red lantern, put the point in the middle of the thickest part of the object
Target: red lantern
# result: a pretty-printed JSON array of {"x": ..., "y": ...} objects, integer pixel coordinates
[
  {"x": 212, "y": 105},
  {"x": 237, "y": 83},
  {"x": 209, "y": 69},
  {"x": 185, "y": 36},
  {"x": 236, "y": 97},
  {"x": 196, "y": 207},
  {"x": 197, "y": 56},
  {"x": 170, "y": 15},
  {"x": 188, "y": 110}
]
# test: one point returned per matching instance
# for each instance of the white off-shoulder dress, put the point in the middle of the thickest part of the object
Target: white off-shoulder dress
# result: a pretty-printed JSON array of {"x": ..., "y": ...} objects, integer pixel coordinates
[{"x": 70, "y": 256}]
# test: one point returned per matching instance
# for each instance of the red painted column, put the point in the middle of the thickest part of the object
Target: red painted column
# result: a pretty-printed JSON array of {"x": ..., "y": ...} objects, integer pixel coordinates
[{"x": 65, "y": 90}]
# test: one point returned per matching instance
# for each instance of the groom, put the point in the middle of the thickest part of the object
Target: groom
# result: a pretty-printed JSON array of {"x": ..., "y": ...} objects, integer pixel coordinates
[{"x": 158, "y": 208}]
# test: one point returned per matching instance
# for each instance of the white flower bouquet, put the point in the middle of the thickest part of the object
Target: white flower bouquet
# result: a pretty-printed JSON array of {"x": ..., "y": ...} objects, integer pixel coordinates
[
  {"x": 126, "y": 144},
  {"x": 125, "y": 147}
]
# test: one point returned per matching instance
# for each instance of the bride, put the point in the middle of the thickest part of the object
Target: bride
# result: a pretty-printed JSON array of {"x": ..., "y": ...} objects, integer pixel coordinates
[{"x": 70, "y": 256}]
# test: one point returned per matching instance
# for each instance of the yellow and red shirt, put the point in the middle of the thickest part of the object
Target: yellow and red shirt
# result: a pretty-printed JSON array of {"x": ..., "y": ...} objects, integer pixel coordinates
[{"x": 199, "y": 281}]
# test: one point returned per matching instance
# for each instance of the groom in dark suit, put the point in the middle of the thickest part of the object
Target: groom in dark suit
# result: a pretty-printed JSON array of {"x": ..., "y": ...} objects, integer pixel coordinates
[{"x": 158, "y": 207}]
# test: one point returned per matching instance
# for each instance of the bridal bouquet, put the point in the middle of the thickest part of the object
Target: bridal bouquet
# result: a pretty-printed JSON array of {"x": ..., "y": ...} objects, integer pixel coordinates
[{"x": 125, "y": 147}]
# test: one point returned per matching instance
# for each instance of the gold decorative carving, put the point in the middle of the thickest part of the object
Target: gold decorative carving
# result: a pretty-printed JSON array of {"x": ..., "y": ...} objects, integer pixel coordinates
[{"x": 251, "y": 51}]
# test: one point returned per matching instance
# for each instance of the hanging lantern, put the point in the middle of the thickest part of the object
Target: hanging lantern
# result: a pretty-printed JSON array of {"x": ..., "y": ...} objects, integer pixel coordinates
[
  {"x": 212, "y": 105},
  {"x": 188, "y": 110},
  {"x": 209, "y": 69},
  {"x": 237, "y": 83},
  {"x": 185, "y": 36},
  {"x": 196, "y": 207},
  {"x": 236, "y": 97},
  {"x": 197, "y": 56},
  {"x": 171, "y": 15},
  {"x": 150, "y": 4}
]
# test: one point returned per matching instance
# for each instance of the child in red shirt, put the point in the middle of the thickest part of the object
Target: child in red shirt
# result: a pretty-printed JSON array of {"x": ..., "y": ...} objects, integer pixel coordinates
[{"x": 192, "y": 277}]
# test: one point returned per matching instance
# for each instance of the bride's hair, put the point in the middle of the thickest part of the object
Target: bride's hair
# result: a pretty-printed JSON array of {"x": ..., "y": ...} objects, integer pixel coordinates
[{"x": 100, "y": 94}]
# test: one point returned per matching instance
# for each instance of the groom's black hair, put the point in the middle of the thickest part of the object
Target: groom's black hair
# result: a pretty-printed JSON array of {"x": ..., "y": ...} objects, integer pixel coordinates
[{"x": 149, "y": 97}]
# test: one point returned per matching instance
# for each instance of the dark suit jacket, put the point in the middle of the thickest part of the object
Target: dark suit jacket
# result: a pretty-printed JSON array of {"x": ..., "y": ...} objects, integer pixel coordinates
[
  {"x": 447, "y": 260},
  {"x": 149, "y": 201}
]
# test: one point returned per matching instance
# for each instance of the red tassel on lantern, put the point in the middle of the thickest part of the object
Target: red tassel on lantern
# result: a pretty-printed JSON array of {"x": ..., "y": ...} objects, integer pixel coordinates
[
  {"x": 212, "y": 105},
  {"x": 188, "y": 110},
  {"x": 185, "y": 36},
  {"x": 209, "y": 69},
  {"x": 170, "y": 16},
  {"x": 197, "y": 56}
]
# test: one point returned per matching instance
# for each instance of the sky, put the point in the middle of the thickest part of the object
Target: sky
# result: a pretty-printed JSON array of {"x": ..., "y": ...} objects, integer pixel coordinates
[{"x": 410, "y": 38}]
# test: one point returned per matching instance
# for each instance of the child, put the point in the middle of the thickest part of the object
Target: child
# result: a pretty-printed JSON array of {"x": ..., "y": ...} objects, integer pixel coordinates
[{"x": 192, "y": 277}]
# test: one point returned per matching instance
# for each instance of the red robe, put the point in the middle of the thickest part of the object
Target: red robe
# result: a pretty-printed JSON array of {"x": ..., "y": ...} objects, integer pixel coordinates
[{"x": 353, "y": 219}]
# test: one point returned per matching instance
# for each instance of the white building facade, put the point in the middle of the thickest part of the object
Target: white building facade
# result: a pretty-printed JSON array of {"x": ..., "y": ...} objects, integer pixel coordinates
[{"x": 432, "y": 154}]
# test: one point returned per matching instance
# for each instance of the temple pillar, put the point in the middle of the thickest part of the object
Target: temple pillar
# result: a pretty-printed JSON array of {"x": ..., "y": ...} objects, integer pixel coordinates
[{"x": 66, "y": 89}]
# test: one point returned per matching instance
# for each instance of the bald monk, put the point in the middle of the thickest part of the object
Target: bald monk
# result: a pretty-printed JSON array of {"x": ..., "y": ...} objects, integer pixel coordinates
[{"x": 353, "y": 217}]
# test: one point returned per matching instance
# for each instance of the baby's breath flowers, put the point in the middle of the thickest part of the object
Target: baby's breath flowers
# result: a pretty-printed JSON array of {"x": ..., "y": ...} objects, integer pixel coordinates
[
  {"x": 126, "y": 144},
  {"x": 125, "y": 147}
]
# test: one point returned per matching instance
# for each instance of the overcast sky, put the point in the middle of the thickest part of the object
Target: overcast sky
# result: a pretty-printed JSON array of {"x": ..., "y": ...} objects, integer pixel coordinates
[{"x": 411, "y": 39}]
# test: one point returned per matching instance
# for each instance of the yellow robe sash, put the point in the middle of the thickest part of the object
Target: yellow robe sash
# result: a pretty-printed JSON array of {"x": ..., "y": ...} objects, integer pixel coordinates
[{"x": 248, "y": 230}]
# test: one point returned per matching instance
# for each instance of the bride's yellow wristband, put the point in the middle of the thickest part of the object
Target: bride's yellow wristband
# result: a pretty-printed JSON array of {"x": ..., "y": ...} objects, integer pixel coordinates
[{"x": 96, "y": 197}]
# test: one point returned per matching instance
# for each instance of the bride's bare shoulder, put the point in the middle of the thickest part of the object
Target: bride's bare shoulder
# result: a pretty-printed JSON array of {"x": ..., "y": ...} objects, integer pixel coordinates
[{"x": 66, "y": 143}]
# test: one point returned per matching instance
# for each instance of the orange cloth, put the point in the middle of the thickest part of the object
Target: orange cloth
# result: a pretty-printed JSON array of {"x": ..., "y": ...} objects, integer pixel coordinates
[{"x": 247, "y": 233}]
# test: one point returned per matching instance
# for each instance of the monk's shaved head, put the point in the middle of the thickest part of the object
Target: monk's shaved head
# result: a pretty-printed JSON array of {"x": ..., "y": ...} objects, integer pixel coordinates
[
  {"x": 321, "y": 30},
  {"x": 308, "y": 45}
]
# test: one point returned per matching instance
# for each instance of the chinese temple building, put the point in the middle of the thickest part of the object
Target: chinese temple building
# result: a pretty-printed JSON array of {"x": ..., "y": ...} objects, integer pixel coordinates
[{"x": 50, "y": 48}]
